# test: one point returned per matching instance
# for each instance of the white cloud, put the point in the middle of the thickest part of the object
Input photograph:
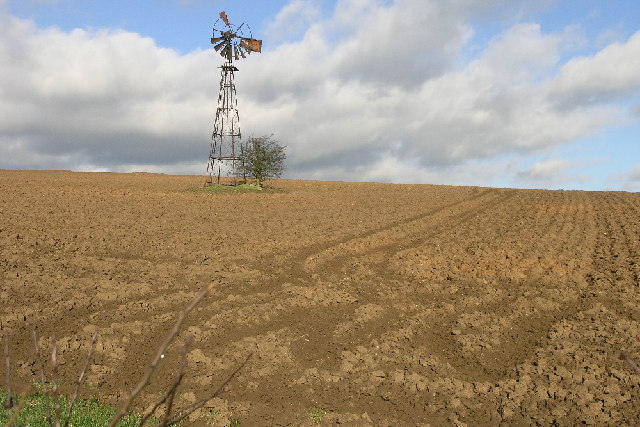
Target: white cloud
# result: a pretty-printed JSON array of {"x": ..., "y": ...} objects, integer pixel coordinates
[
  {"x": 501, "y": 103},
  {"x": 612, "y": 73},
  {"x": 385, "y": 97},
  {"x": 388, "y": 168},
  {"x": 551, "y": 173},
  {"x": 628, "y": 180},
  {"x": 293, "y": 19},
  {"x": 401, "y": 44},
  {"x": 545, "y": 169}
]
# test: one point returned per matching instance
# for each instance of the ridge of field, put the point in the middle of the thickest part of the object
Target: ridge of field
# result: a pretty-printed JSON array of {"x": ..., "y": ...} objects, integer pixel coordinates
[{"x": 381, "y": 304}]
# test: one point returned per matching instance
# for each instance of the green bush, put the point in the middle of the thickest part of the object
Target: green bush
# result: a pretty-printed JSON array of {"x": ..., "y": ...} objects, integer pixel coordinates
[{"x": 261, "y": 158}]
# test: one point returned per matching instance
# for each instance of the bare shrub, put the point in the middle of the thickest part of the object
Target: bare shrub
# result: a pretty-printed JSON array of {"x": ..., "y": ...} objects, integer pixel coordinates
[{"x": 51, "y": 391}]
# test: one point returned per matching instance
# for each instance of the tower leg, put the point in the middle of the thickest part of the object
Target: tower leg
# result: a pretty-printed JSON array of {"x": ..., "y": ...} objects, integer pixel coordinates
[{"x": 226, "y": 131}]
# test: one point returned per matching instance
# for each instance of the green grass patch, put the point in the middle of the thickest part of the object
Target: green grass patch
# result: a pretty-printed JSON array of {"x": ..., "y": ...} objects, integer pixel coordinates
[
  {"x": 86, "y": 413},
  {"x": 238, "y": 189},
  {"x": 316, "y": 414}
]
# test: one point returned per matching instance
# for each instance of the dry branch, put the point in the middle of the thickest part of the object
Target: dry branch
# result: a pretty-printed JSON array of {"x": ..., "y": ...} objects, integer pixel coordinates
[
  {"x": 7, "y": 357},
  {"x": 144, "y": 381},
  {"x": 185, "y": 412},
  {"x": 54, "y": 370},
  {"x": 40, "y": 362},
  {"x": 624, "y": 356},
  {"x": 51, "y": 391},
  {"x": 16, "y": 412},
  {"x": 174, "y": 386},
  {"x": 80, "y": 378},
  {"x": 171, "y": 394}
]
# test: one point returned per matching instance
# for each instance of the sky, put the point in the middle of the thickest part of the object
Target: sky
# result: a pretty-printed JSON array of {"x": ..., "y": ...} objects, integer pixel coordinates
[{"x": 496, "y": 93}]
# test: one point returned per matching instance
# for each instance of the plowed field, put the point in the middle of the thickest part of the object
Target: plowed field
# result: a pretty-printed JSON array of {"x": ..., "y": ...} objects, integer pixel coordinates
[{"x": 380, "y": 304}]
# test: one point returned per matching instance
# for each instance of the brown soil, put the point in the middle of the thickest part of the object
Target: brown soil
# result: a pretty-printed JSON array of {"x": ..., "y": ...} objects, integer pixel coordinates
[{"x": 381, "y": 304}]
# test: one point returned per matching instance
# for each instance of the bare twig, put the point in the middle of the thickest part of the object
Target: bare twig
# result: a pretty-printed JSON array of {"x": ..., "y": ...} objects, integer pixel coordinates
[
  {"x": 21, "y": 401},
  {"x": 167, "y": 412},
  {"x": 174, "y": 386},
  {"x": 42, "y": 377},
  {"x": 7, "y": 358},
  {"x": 80, "y": 378},
  {"x": 624, "y": 356},
  {"x": 179, "y": 376},
  {"x": 157, "y": 404},
  {"x": 34, "y": 334},
  {"x": 185, "y": 412},
  {"x": 54, "y": 370},
  {"x": 144, "y": 381}
]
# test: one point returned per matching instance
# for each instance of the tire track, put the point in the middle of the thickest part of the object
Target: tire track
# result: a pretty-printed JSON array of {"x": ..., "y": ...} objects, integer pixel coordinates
[
  {"x": 399, "y": 236},
  {"x": 313, "y": 251},
  {"x": 487, "y": 327}
]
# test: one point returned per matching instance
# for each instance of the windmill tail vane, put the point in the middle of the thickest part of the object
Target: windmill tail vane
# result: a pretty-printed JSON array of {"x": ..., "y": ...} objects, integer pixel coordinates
[
  {"x": 231, "y": 42},
  {"x": 251, "y": 45}
]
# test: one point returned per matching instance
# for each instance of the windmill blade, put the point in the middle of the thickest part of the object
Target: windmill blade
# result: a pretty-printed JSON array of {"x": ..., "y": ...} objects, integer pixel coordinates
[
  {"x": 226, "y": 52},
  {"x": 223, "y": 16},
  {"x": 219, "y": 45},
  {"x": 215, "y": 40},
  {"x": 241, "y": 50},
  {"x": 235, "y": 53},
  {"x": 252, "y": 45}
]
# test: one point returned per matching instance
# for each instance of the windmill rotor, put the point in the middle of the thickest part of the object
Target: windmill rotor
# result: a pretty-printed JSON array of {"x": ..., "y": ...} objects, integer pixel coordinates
[{"x": 232, "y": 41}]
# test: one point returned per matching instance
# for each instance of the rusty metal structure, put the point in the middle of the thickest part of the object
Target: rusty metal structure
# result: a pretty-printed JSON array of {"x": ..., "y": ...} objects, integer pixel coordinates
[{"x": 232, "y": 43}]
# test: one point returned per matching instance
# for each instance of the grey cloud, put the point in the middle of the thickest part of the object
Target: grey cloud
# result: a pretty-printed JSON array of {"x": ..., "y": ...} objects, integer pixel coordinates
[{"x": 101, "y": 98}]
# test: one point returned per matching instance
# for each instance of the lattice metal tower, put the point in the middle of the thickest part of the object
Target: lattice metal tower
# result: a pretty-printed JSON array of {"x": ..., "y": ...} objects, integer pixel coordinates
[{"x": 231, "y": 42}]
